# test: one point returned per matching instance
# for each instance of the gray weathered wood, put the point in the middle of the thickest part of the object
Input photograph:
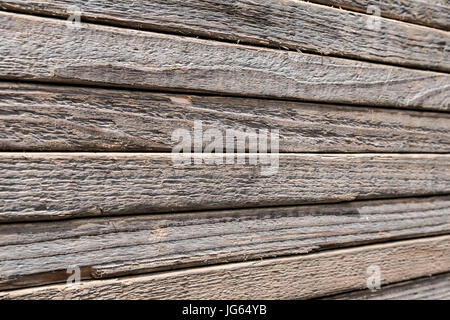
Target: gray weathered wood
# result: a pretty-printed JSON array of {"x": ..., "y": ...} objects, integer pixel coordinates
[
  {"x": 434, "y": 13},
  {"x": 280, "y": 23},
  {"x": 58, "y": 118},
  {"x": 40, "y": 253},
  {"x": 43, "y": 49},
  {"x": 434, "y": 288},
  {"x": 296, "y": 277},
  {"x": 62, "y": 185}
]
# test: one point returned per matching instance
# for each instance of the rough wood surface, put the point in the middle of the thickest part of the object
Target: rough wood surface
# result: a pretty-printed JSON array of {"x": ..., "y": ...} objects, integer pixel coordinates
[
  {"x": 40, "y": 253},
  {"x": 58, "y": 118},
  {"x": 434, "y": 288},
  {"x": 281, "y": 23},
  {"x": 44, "y": 49},
  {"x": 433, "y": 13},
  {"x": 297, "y": 277},
  {"x": 62, "y": 185}
]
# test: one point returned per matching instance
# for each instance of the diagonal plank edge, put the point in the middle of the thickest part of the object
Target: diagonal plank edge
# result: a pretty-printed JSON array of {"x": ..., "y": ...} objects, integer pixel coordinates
[
  {"x": 289, "y": 24},
  {"x": 39, "y": 253},
  {"x": 430, "y": 288},
  {"x": 63, "y": 118},
  {"x": 296, "y": 277},
  {"x": 435, "y": 14},
  {"x": 95, "y": 54},
  {"x": 64, "y": 185}
]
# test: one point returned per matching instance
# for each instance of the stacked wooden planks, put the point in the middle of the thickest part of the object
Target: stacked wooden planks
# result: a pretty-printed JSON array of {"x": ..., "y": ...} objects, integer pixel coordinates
[{"x": 92, "y": 92}]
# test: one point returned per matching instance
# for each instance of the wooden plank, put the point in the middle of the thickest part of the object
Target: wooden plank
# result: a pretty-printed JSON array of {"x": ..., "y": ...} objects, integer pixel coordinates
[
  {"x": 435, "y": 13},
  {"x": 40, "y": 253},
  {"x": 295, "y": 277},
  {"x": 58, "y": 118},
  {"x": 36, "y": 186},
  {"x": 291, "y": 24},
  {"x": 95, "y": 54},
  {"x": 433, "y": 288}
]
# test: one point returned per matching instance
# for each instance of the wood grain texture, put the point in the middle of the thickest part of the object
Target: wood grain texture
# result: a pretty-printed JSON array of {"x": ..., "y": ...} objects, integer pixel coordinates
[
  {"x": 435, "y": 13},
  {"x": 62, "y": 185},
  {"x": 295, "y": 277},
  {"x": 40, "y": 253},
  {"x": 433, "y": 288},
  {"x": 58, "y": 118},
  {"x": 278, "y": 23},
  {"x": 47, "y": 50}
]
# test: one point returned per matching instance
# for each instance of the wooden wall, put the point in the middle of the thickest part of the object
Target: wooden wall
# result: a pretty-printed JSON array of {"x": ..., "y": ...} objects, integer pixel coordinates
[{"x": 88, "y": 108}]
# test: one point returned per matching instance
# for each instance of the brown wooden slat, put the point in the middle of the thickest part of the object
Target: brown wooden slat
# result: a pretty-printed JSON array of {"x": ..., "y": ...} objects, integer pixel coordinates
[
  {"x": 40, "y": 253},
  {"x": 47, "y": 50},
  {"x": 287, "y": 23},
  {"x": 40, "y": 186},
  {"x": 295, "y": 277},
  {"x": 59, "y": 118}
]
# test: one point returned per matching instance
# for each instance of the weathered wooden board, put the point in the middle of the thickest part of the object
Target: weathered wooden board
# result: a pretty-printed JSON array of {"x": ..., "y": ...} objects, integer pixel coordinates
[
  {"x": 40, "y": 253},
  {"x": 295, "y": 277},
  {"x": 287, "y": 23},
  {"x": 58, "y": 118},
  {"x": 433, "y": 288},
  {"x": 61, "y": 185},
  {"x": 434, "y": 13},
  {"x": 44, "y": 49}
]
